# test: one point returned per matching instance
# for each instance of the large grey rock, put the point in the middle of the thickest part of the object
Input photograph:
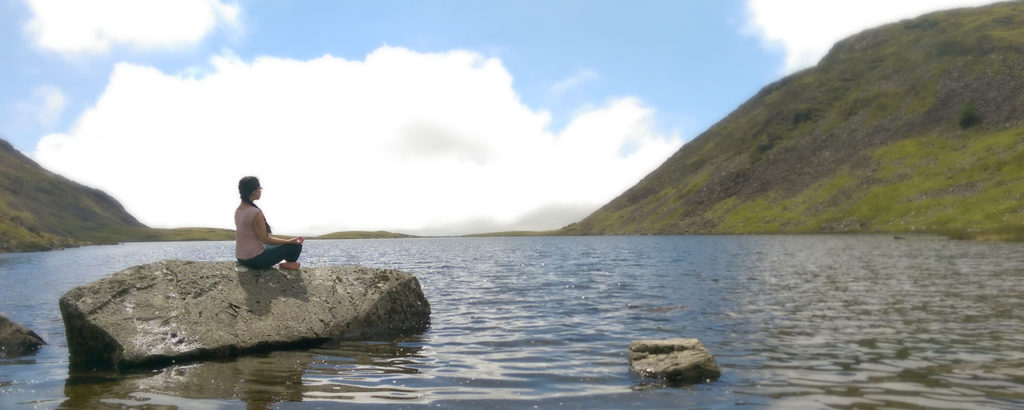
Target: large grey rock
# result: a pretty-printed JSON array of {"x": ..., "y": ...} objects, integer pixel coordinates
[
  {"x": 674, "y": 360},
  {"x": 16, "y": 340},
  {"x": 174, "y": 311}
]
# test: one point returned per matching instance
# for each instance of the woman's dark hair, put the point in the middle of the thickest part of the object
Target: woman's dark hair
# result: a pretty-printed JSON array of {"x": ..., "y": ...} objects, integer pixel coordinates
[{"x": 246, "y": 186}]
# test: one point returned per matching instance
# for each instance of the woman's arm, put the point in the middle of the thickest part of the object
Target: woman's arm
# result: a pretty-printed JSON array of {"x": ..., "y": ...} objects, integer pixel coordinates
[{"x": 260, "y": 227}]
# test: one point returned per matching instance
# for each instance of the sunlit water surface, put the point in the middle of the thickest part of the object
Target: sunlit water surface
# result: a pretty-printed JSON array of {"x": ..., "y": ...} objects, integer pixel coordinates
[{"x": 794, "y": 321}]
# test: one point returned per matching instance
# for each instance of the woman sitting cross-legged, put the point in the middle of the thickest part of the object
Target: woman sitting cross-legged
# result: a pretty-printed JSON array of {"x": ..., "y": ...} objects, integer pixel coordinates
[{"x": 254, "y": 247}]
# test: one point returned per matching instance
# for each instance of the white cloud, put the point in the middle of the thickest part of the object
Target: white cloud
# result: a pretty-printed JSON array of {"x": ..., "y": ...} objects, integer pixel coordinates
[
  {"x": 407, "y": 141},
  {"x": 807, "y": 29},
  {"x": 76, "y": 26}
]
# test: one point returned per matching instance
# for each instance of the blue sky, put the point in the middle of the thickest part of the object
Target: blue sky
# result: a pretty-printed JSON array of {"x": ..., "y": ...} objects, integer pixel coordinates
[
  {"x": 668, "y": 52},
  {"x": 433, "y": 117}
]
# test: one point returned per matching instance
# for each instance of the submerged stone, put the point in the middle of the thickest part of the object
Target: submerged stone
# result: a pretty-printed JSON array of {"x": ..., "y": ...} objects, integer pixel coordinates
[
  {"x": 683, "y": 361},
  {"x": 17, "y": 340},
  {"x": 173, "y": 311}
]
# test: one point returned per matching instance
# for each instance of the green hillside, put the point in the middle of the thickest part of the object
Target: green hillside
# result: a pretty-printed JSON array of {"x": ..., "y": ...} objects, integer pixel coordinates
[
  {"x": 916, "y": 126},
  {"x": 40, "y": 210}
]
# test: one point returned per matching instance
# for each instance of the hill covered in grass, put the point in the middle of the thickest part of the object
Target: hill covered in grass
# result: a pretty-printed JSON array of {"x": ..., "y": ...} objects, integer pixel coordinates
[
  {"x": 40, "y": 210},
  {"x": 916, "y": 126}
]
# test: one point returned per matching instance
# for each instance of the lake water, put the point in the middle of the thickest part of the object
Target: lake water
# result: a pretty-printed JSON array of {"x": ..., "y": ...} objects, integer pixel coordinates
[{"x": 794, "y": 321}]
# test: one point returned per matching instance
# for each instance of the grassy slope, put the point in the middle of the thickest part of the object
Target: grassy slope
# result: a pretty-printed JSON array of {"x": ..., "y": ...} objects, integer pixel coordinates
[
  {"x": 872, "y": 139},
  {"x": 41, "y": 210},
  {"x": 935, "y": 184}
]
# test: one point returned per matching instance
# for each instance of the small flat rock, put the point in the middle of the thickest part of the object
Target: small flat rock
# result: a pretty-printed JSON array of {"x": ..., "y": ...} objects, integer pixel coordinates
[
  {"x": 684, "y": 361},
  {"x": 175, "y": 311},
  {"x": 17, "y": 340}
]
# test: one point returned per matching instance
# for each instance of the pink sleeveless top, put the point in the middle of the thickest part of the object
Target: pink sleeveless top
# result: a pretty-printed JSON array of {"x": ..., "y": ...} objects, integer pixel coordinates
[{"x": 247, "y": 244}]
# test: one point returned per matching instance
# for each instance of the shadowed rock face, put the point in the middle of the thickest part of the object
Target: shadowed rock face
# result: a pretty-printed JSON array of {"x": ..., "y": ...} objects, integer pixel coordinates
[
  {"x": 16, "y": 340},
  {"x": 681, "y": 361},
  {"x": 174, "y": 311}
]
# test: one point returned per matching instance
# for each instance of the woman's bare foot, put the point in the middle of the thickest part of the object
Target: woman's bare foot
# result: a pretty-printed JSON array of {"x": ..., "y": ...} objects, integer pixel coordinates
[{"x": 290, "y": 265}]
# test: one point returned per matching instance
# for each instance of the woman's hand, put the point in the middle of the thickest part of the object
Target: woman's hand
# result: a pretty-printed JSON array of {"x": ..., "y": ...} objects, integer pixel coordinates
[{"x": 297, "y": 241}]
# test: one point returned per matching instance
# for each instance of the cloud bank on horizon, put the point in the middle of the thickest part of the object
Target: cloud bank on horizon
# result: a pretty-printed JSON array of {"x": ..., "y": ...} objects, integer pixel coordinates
[{"x": 402, "y": 140}]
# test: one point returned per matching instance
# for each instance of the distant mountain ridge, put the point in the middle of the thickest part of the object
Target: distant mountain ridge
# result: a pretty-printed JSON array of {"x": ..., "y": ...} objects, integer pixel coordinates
[
  {"x": 363, "y": 235},
  {"x": 916, "y": 126}
]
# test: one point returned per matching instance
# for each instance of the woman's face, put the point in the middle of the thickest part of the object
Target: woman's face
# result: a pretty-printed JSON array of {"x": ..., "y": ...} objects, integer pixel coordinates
[{"x": 256, "y": 194}]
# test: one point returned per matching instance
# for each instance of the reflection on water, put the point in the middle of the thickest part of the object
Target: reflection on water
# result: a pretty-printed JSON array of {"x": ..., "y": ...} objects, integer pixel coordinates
[
  {"x": 794, "y": 321},
  {"x": 342, "y": 371}
]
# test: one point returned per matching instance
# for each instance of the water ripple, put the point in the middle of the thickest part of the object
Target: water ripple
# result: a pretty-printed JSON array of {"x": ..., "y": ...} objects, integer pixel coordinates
[{"x": 794, "y": 321}]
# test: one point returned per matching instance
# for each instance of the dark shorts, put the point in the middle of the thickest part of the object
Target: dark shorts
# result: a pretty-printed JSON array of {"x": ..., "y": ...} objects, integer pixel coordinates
[{"x": 272, "y": 255}]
